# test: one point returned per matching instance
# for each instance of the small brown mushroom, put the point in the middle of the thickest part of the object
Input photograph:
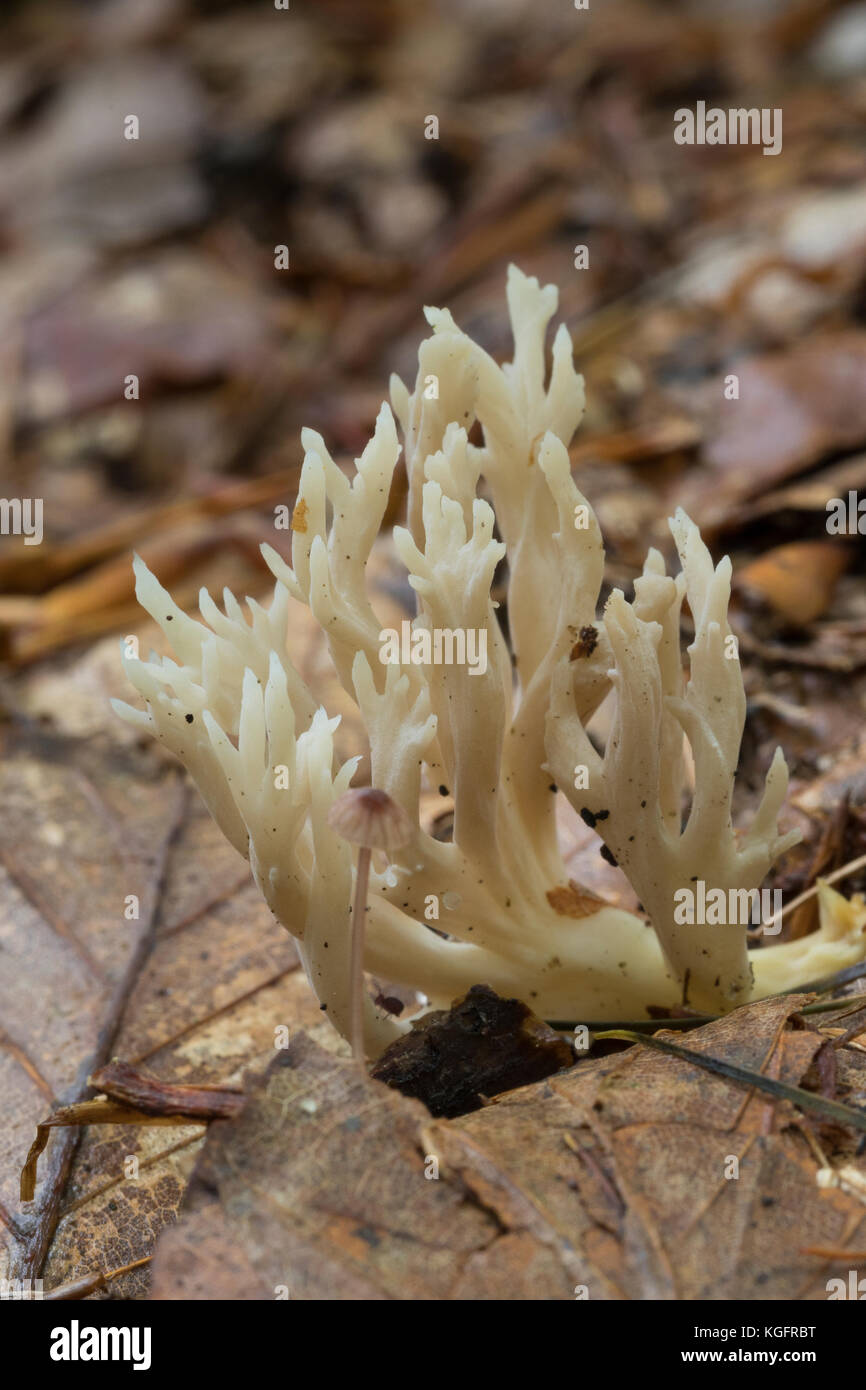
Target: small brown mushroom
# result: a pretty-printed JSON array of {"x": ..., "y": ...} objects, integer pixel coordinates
[{"x": 371, "y": 819}]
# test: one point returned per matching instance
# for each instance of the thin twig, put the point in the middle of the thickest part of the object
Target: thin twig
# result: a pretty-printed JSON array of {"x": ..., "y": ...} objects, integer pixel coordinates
[
  {"x": 90, "y": 1283},
  {"x": 359, "y": 914}
]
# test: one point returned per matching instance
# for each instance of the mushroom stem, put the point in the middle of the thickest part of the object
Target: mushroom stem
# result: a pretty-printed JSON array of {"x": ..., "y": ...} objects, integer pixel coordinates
[
  {"x": 356, "y": 966},
  {"x": 371, "y": 819}
]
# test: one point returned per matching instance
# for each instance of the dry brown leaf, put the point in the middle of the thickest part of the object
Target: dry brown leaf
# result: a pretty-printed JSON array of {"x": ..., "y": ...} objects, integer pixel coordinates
[
  {"x": 612, "y": 1177},
  {"x": 91, "y": 827},
  {"x": 797, "y": 580},
  {"x": 195, "y": 989},
  {"x": 793, "y": 408},
  {"x": 74, "y": 845}
]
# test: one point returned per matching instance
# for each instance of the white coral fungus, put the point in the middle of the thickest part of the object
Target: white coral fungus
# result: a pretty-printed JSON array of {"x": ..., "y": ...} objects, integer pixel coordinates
[{"x": 262, "y": 751}]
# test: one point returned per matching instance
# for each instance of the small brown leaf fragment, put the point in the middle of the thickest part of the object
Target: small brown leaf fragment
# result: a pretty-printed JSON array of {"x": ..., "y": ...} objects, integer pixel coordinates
[
  {"x": 299, "y": 516},
  {"x": 481, "y": 1047},
  {"x": 132, "y": 1097},
  {"x": 86, "y": 1112},
  {"x": 573, "y": 901}
]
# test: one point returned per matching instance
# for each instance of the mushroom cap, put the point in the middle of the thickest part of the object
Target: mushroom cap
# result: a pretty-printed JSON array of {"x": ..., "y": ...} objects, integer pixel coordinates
[{"x": 369, "y": 817}]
